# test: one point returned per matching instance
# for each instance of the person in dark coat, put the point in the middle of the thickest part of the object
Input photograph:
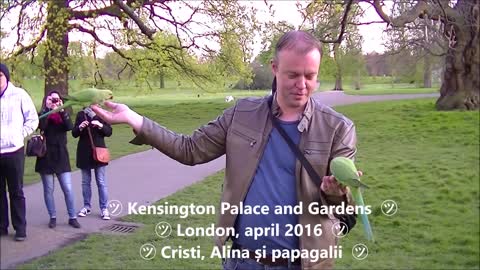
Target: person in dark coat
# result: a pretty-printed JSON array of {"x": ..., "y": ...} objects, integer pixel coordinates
[
  {"x": 56, "y": 161},
  {"x": 87, "y": 120}
]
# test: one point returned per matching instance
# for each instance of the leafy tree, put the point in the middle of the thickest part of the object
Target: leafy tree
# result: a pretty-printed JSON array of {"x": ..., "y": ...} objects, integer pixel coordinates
[
  {"x": 270, "y": 37},
  {"x": 77, "y": 60},
  {"x": 230, "y": 61},
  {"x": 459, "y": 19},
  {"x": 328, "y": 66},
  {"x": 324, "y": 17},
  {"x": 421, "y": 39},
  {"x": 120, "y": 25}
]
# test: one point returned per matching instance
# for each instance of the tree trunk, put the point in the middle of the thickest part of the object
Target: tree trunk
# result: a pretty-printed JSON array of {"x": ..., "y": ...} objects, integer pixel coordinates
[
  {"x": 427, "y": 71},
  {"x": 162, "y": 80},
  {"x": 56, "y": 56},
  {"x": 338, "y": 82},
  {"x": 461, "y": 83},
  {"x": 357, "y": 83},
  {"x": 338, "y": 70}
]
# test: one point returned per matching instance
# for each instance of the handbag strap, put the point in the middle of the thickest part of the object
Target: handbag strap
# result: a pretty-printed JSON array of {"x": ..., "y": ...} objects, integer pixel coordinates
[
  {"x": 316, "y": 179},
  {"x": 350, "y": 220},
  {"x": 303, "y": 160},
  {"x": 89, "y": 133}
]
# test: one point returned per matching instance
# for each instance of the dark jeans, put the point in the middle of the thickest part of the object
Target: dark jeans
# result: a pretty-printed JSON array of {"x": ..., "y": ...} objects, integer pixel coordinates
[{"x": 11, "y": 175}]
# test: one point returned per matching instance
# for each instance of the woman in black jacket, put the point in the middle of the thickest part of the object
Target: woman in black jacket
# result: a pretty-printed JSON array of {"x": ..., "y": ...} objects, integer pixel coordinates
[
  {"x": 56, "y": 161},
  {"x": 87, "y": 120}
]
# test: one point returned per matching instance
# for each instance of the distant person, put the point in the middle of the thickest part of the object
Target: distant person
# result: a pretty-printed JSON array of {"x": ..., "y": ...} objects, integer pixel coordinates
[
  {"x": 87, "y": 120},
  {"x": 18, "y": 120},
  {"x": 56, "y": 161},
  {"x": 261, "y": 169}
]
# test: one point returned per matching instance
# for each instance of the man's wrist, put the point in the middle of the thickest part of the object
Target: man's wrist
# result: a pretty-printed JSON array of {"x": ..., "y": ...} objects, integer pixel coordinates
[
  {"x": 334, "y": 199},
  {"x": 136, "y": 122}
]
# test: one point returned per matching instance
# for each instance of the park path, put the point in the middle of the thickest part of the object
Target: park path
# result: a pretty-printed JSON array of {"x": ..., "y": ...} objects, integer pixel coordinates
[{"x": 144, "y": 177}]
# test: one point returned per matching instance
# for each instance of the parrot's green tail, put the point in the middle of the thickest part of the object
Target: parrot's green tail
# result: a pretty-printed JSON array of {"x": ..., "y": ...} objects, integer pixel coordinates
[
  {"x": 67, "y": 104},
  {"x": 357, "y": 196}
]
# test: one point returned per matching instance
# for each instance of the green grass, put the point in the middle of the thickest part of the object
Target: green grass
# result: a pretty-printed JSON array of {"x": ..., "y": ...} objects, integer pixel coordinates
[
  {"x": 158, "y": 100},
  {"x": 379, "y": 88},
  {"x": 388, "y": 89},
  {"x": 170, "y": 106},
  {"x": 183, "y": 117},
  {"x": 128, "y": 91},
  {"x": 425, "y": 160}
]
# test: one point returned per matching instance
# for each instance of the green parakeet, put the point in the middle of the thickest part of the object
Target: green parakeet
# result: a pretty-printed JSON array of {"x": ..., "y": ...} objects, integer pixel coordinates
[
  {"x": 85, "y": 97},
  {"x": 344, "y": 170}
]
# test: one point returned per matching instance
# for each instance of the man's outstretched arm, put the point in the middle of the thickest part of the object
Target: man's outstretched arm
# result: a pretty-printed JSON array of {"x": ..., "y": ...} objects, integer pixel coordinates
[{"x": 205, "y": 144}]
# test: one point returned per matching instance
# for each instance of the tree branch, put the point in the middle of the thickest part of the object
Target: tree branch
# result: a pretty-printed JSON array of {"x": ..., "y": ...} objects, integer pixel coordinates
[
  {"x": 365, "y": 23},
  {"x": 97, "y": 38},
  {"x": 422, "y": 8},
  {"x": 21, "y": 20},
  {"x": 143, "y": 27},
  {"x": 10, "y": 7},
  {"x": 97, "y": 67},
  {"x": 124, "y": 67},
  {"x": 343, "y": 25},
  {"x": 406, "y": 17},
  {"x": 112, "y": 11},
  {"x": 32, "y": 45}
]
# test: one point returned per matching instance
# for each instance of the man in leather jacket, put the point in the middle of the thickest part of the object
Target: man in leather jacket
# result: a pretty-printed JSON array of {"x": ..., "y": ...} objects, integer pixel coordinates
[{"x": 260, "y": 168}]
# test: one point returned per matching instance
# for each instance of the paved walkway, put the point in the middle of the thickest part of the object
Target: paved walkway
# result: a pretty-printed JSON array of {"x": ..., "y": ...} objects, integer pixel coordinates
[{"x": 144, "y": 177}]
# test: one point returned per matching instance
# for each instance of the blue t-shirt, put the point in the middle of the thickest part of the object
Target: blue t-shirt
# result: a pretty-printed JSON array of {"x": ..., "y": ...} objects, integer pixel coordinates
[{"x": 273, "y": 185}]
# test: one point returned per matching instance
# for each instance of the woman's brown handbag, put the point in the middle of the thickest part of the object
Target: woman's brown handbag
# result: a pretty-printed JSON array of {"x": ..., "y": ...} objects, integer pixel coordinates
[{"x": 100, "y": 154}]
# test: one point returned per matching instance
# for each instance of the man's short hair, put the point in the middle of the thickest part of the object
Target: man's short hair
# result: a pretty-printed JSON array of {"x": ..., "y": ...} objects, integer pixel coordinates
[{"x": 300, "y": 41}]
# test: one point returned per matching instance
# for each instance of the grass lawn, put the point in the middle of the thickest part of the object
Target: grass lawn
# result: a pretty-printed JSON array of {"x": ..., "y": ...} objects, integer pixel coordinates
[
  {"x": 391, "y": 91},
  {"x": 379, "y": 88},
  {"x": 156, "y": 101},
  {"x": 186, "y": 117},
  {"x": 388, "y": 89},
  {"x": 189, "y": 110},
  {"x": 425, "y": 160}
]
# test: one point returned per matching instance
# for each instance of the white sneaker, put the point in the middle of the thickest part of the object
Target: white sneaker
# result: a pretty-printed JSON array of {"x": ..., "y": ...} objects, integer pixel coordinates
[
  {"x": 105, "y": 214},
  {"x": 84, "y": 212}
]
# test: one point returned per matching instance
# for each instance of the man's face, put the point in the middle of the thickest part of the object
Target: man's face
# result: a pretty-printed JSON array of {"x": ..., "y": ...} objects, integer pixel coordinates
[
  {"x": 3, "y": 82},
  {"x": 296, "y": 77}
]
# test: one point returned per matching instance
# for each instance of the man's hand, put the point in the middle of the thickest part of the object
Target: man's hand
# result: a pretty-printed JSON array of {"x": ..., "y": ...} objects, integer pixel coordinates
[
  {"x": 97, "y": 124},
  {"x": 332, "y": 187},
  {"x": 83, "y": 125},
  {"x": 119, "y": 114}
]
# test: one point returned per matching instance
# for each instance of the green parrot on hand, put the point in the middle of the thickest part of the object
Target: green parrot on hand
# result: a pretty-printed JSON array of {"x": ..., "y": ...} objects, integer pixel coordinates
[
  {"x": 85, "y": 97},
  {"x": 344, "y": 170}
]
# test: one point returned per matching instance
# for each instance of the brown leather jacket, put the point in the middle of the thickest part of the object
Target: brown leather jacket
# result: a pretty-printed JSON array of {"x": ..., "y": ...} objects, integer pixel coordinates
[{"x": 241, "y": 133}]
